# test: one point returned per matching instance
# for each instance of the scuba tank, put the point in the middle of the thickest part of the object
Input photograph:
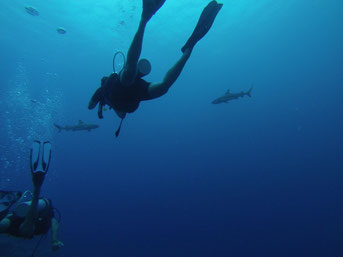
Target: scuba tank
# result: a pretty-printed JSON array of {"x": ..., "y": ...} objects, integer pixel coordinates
[
  {"x": 23, "y": 205},
  {"x": 22, "y": 208}
]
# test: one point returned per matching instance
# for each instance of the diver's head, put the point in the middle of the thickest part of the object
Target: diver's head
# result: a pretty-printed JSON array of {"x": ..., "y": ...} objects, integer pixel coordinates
[
  {"x": 8, "y": 198},
  {"x": 143, "y": 67}
]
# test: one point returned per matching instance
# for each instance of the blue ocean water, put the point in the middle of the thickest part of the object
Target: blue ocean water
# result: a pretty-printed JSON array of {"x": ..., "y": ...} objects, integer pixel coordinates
[{"x": 259, "y": 176}]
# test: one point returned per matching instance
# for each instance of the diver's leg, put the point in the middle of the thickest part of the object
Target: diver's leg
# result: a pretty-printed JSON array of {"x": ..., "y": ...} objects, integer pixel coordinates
[
  {"x": 150, "y": 7},
  {"x": 204, "y": 24},
  {"x": 28, "y": 226},
  {"x": 158, "y": 89},
  {"x": 40, "y": 156},
  {"x": 128, "y": 74}
]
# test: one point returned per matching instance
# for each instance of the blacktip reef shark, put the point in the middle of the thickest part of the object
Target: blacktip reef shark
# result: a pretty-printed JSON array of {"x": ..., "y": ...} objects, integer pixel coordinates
[
  {"x": 231, "y": 96},
  {"x": 78, "y": 127}
]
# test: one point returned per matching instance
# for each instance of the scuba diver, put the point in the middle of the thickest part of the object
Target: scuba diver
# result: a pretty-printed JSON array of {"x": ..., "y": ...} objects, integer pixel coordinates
[
  {"x": 124, "y": 91},
  {"x": 27, "y": 215}
]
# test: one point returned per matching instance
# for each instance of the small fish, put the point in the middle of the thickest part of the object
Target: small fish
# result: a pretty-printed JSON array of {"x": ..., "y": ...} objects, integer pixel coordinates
[
  {"x": 61, "y": 30},
  {"x": 31, "y": 10}
]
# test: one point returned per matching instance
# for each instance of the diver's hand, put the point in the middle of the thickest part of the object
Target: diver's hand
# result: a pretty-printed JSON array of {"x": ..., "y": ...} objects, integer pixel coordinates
[
  {"x": 56, "y": 245},
  {"x": 92, "y": 104},
  {"x": 100, "y": 113}
]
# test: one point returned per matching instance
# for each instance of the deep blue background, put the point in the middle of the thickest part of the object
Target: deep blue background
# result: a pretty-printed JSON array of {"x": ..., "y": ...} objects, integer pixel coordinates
[{"x": 260, "y": 176}]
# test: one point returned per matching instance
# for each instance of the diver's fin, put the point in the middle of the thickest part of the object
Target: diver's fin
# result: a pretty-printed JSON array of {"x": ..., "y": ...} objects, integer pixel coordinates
[
  {"x": 58, "y": 127},
  {"x": 40, "y": 156},
  {"x": 35, "y": 155},
  {"x": 204, "y": 24},
  {"x": 46, "y": 156},
  {"x": 118, "y": 129},
  {"x": 150, "y": 7}
]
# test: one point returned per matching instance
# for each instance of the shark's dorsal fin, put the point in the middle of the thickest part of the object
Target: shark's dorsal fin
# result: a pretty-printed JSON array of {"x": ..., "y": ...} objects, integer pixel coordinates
[
  {"x": 80, "y": 122},
  {"x": 227, "y": 92}
]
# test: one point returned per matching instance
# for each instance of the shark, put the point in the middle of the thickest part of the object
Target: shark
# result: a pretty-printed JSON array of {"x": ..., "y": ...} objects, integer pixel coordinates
[
  {"x": 80, "y": 126},
  {"x": 231, "y": 96}
]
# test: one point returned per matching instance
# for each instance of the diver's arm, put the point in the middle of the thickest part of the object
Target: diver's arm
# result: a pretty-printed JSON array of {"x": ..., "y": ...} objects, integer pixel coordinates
[
  {"x": 55, "y": 243},
  {"x": 96, "y": 98},
  {"x": 4, "y": 224},
  {"x": 159, "y": 89},
  {"x": 54, "y": 229}
]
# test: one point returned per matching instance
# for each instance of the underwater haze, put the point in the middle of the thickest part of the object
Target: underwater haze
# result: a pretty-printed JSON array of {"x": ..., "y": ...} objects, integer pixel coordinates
[{"x": 254, "y": 177}]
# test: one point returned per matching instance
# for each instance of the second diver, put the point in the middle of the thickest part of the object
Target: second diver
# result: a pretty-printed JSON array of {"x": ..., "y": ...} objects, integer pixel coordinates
[
  {"x": 25, "y": 218},
  {"x": 124, "y": 91}
]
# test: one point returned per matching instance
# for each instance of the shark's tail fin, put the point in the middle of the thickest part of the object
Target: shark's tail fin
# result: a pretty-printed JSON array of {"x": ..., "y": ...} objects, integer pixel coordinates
[
  {"x": 249, "y": 92},
  {"x": 58, "y": 127}
]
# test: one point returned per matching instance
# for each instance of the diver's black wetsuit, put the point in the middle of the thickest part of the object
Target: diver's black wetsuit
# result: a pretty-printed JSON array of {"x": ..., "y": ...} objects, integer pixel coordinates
[
  {"x": 126, "y": 98},
  {"x": 121, "y": 98}
]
